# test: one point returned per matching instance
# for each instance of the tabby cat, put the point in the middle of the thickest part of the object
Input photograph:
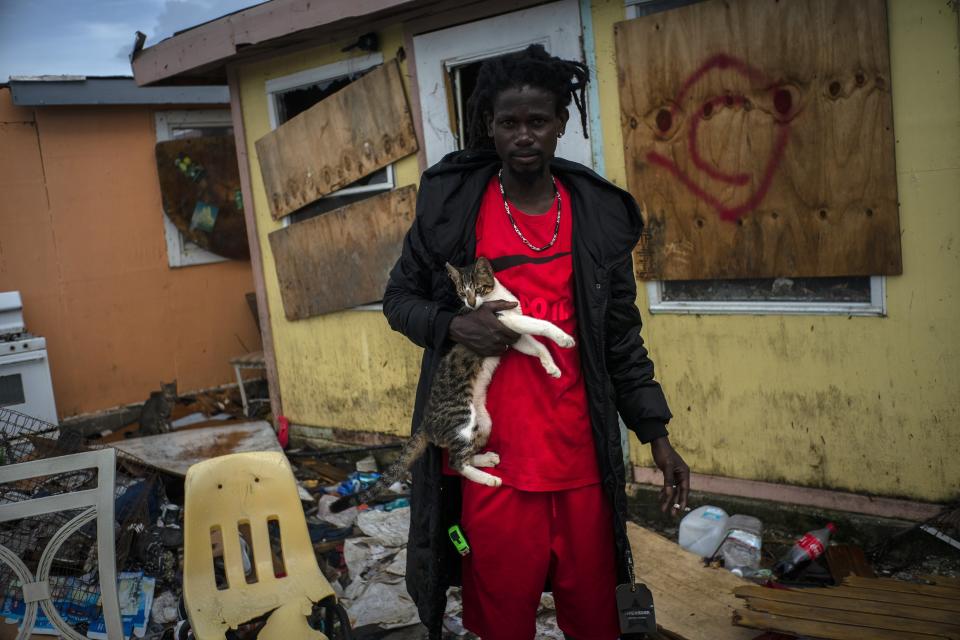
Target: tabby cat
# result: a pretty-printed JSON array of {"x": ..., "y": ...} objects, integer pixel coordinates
[
  {"x": 156, "y": 411},
  {"x": 455, "y": 417}
]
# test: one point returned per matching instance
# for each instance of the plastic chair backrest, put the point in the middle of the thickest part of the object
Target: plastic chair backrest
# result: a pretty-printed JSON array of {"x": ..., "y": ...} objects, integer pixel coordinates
[{"x": 223, "y": 495}]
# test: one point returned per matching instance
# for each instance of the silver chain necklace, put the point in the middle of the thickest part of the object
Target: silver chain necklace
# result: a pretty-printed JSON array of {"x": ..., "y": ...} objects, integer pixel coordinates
[{"x": 506, "y": 207}]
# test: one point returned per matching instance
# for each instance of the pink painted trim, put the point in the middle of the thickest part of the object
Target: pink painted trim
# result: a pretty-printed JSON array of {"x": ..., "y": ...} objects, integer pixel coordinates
[{"x": 820, "y": 498}]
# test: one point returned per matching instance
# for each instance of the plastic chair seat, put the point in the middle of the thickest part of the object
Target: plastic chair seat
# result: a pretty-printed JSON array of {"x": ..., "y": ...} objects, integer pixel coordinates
[{"x": 222, "y": 495}]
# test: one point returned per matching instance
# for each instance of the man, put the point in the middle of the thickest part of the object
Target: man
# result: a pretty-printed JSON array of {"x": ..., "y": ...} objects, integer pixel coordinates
[{"x": 560, "y": 238}]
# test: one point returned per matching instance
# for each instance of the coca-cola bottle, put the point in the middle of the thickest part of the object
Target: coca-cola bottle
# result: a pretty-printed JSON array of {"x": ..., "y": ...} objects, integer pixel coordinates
[{"x": 807, "y": 548}]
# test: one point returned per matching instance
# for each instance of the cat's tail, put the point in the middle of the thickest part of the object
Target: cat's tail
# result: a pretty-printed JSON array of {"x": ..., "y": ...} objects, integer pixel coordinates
[{"x": 411, "y": 450}]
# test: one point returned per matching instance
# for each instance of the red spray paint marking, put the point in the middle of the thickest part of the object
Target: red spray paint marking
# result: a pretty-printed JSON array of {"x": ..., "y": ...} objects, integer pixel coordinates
[{"x": 723, "y": 61}]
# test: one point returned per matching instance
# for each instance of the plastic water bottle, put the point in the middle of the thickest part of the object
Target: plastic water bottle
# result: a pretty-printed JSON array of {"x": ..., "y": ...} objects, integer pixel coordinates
[
  {"x": 742, "y": 542},
  {"x": 810, "y": 547},
  {"x": 702, "y": 529}
]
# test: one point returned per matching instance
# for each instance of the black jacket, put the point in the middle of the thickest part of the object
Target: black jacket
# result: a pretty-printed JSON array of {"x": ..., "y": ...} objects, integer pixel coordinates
[{"x": 420, "y": 302}]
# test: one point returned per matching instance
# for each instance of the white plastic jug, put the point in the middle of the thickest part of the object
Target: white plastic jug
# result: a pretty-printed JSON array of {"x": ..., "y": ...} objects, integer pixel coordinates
[{"x": 702, "y": 529}]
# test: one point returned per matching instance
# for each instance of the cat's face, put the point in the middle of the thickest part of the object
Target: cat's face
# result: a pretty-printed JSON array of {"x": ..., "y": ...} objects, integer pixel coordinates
[{"x": 474, "y": 282}]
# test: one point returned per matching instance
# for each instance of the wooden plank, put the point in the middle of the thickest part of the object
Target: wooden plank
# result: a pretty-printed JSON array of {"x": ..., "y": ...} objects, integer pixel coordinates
[
  {"x": 821, "y": 599},
  {"x": 200, "y": 186},
  {"x": 691, "y": 600},
  {"x": 177, "y": 451},
  {"x": 845, "y": 560},
  {"x": 342, "y": 258},
  {"x": 817, "y": 629},
  {"x": 899, "y": 586},
  {"x": 878, "y": 595},
  {"x": 759, "y": 137},
  {"x": 857, "y": 618},
  {"x": 361, "y": 128},
  {"x": 942, "y": 581}
]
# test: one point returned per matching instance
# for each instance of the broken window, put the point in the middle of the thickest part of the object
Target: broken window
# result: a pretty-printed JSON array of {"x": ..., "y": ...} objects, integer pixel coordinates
[
  {"x": 292, "y": 95},
  {"x": 767, "y": 171},
  {"x": 333, "y": 155},
  {"x": 180, "y": 125}
]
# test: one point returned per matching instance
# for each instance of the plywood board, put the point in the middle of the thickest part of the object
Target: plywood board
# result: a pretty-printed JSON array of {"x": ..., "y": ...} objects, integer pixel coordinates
[
  {"x": 361, "y": 128},
  {"x": 820, "y": 629},
  {"x": 200, "y": 186},
  {"x": 826, "y": 599},
  {"x": 690, "y": 600},
  {"x": 176, "y": 451},
  {"x": 342, "y": 258},
  {"x": 758, "y": 137},
  {"x": 846, "y": 612}
]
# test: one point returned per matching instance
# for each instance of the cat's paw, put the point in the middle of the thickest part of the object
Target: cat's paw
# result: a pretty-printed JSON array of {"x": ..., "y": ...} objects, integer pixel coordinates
[
  {"x": 565, "y": 341},
  {"x": 494, "y": 481},
  {"x": 552, "y": 370},
  {"x": 488, "y": 459}
]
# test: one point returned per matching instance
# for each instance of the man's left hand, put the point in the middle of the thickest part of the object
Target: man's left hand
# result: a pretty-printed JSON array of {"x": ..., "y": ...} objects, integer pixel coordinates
[{"x": 676, "y": 476}]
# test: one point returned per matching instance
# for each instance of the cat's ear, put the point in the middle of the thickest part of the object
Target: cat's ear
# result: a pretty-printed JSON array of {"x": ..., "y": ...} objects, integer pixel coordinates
[
  {"x": 454, "y": 275},
  {"x": 483, "y": 268}
]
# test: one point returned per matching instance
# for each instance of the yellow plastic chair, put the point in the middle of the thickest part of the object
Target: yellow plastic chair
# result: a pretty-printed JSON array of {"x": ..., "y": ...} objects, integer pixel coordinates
[{"x": 236, "y": 495}]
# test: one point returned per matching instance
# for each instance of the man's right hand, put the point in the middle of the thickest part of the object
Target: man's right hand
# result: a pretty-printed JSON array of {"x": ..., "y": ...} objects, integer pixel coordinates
[{"x": 481, "y": 331}]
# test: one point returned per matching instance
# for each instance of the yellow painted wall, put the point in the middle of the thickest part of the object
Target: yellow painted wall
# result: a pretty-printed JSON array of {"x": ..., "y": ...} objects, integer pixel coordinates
[
  {"x": 347, "y": 370},
  {"x": 862, "y": 404}
]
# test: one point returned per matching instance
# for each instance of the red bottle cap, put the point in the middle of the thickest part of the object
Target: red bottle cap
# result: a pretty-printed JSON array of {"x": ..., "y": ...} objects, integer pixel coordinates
[{"x": 832, "y": 527}]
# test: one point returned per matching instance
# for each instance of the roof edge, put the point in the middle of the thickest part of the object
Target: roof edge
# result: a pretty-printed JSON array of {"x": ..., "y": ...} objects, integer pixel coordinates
[{"x": 214, "y": 43}]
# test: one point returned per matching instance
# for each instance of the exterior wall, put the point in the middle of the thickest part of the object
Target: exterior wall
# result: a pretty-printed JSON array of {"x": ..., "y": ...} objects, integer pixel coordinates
[
  {"x": 861, "y": 404},
  {"x": 81, "y": 237},
  {"x": 348, "y": 369}
]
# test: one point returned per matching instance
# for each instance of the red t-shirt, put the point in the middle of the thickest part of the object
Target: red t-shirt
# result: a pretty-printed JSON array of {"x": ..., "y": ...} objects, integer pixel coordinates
[{"x": 541, "y": 425}]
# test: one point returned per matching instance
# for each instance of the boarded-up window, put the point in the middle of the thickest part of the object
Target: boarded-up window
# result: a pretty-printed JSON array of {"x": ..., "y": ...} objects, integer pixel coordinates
[
  {"x": 758, "y": 137},
  {"x": 200, "y": 187},
  {"x": 292, "y": 95},
  {"x": 343, "y": 258},
  {"x": 351, "y": 134}
]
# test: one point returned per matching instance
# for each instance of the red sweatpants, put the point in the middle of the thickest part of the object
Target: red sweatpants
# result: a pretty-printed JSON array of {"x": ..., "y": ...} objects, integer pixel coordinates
[{"x": 520, "y": 538}]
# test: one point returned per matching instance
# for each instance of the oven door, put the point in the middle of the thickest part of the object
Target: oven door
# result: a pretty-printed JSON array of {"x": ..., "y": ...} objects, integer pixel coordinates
[{"x": 25, "y": 385}]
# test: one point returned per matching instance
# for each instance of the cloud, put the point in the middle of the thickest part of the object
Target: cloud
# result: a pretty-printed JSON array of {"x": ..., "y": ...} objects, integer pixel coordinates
[{"x": 177, "y": 15}]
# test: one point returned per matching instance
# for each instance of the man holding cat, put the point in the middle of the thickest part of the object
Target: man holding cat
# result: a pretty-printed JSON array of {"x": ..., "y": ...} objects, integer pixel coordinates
[{"x": 560, "y": 238}]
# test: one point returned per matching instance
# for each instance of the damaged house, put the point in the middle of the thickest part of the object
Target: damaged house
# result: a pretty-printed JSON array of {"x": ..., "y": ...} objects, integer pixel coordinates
[
  {"x": 98, "y": 234},
  {"x": 797, "y": 275}
]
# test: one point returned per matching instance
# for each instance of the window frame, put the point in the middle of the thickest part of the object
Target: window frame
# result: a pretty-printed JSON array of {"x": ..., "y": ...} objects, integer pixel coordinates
[
  {"x": 876, "y": 307},
  {"x": 276, "y": 86},
  {"x": 180, "y": 251},
  {"x": 655, "y": 303}
]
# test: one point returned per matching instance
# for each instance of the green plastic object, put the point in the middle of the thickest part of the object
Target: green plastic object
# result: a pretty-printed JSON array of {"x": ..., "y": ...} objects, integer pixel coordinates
[{"x": 459, "y": 540}]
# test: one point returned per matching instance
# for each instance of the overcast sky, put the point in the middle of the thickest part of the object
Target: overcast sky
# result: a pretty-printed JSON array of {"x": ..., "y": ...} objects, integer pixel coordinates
[{"x": 92, "y": 37}]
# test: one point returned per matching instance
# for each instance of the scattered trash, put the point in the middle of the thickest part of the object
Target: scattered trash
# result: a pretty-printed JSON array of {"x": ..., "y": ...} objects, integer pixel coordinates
[
  {"x": 356, "y": 482},
  {"x": 847, "y": 560},
  {"x": 367, "y": 465},
  {"x": 751, "y": 573},
  {"x": 692, "y": 601},
  {"x": 702, "y": 530},
  {"x": 742, "y": 542},
  {"x": 177, "y": 451},
  {"x": 164, "y": 609},
  {"x": 377, "y": 592},
  {"x": 810, "y": 547}
]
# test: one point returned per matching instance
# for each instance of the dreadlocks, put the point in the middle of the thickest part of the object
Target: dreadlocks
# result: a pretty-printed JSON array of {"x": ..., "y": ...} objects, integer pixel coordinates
[{"x": 532, "y": 67}]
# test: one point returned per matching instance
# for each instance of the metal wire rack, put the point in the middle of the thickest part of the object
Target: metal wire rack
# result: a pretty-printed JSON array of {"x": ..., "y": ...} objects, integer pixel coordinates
[{"x": 73, "y": 583}]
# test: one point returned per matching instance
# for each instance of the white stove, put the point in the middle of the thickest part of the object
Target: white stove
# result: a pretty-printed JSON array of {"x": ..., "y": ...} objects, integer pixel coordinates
[{"x": 25, "y": 383}]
